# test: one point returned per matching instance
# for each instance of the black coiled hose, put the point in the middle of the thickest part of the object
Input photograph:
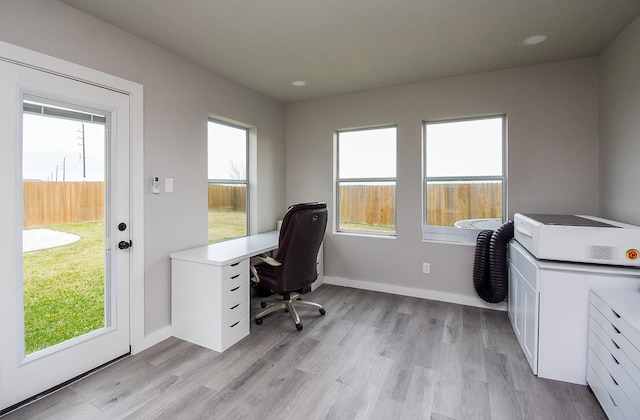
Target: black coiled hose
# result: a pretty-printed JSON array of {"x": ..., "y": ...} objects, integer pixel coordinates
[{"x": 490, "y": 273}]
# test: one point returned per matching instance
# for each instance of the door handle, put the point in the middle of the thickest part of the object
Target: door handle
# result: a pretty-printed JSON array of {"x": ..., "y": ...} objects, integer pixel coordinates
[{"x": 125, "y": 244}]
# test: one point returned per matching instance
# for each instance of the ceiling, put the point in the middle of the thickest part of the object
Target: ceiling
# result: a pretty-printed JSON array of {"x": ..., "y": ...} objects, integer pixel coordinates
[{"x": 340, "y": 46}]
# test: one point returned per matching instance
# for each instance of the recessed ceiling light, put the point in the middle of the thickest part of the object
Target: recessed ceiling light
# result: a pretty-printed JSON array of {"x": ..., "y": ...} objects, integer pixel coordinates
[
  {"x": 535, "y": 39},
  {"x": 299, "y": 83}
]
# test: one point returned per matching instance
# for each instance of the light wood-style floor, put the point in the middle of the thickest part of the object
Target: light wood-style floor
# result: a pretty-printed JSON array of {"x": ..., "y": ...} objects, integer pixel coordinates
[{"x": 372, "y": 356}]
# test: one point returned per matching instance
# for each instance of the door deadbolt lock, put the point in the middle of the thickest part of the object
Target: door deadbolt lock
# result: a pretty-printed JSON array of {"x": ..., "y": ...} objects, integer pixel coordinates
[{"x": 125, "y": 244}]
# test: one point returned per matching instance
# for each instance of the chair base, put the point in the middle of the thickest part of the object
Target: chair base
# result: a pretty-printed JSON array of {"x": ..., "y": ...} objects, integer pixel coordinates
[{"x": 289, "y": 302}]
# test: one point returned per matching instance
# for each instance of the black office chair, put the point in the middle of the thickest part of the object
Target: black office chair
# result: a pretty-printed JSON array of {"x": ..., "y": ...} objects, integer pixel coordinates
[{"x": 293, "y": 269}]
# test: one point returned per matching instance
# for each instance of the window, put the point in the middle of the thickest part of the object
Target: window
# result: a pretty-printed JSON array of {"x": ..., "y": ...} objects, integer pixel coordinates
[
  {"x": 366, "y": 181},
  {"x": 464, "y": 182},
  {"x": 228, "y": 181}
]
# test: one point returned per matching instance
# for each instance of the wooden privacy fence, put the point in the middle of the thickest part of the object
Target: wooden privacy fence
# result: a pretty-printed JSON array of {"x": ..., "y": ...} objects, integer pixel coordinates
[
  {"x": 227, "y": 197},
  {"x": 447, "y": 203},
  {"x": 56, "y": 203},
  {"x": 368, "y": 204},
  {"x": 452, "y": 201}
]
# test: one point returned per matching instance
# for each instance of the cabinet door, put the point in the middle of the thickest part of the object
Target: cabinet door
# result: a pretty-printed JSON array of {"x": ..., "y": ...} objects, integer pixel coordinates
[
  {"x": 515, "y": 301},
  {"x": 529, "y": 343}
]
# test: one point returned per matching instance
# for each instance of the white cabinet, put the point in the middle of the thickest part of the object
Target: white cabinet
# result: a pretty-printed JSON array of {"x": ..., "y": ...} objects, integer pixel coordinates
[
  {"x": 209, "y": 303},
  {"x": 549, "y": 310},
  {"x": 210, "y": 290},
  {"x": 613, "y": 370}
]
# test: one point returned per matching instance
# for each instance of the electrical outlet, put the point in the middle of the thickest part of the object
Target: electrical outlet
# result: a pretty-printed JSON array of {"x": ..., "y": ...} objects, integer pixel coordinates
[{"x": 426, "y": 268}]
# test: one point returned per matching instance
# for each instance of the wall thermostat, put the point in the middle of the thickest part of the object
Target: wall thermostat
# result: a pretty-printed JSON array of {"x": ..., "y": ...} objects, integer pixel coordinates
[{"x": 155, "y": 188}]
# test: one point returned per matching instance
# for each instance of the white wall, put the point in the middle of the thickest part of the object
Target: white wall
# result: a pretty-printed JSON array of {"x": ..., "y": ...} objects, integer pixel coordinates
[
  {"x": 178, "y": 97},
  {"x": 620, "y": 127},
  {"x": 552, "y": 113},
  {"x": 553, "y": 145}
]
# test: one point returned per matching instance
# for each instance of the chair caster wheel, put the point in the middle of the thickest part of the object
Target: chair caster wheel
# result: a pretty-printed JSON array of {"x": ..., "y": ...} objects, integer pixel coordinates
[
  {"x": 258, "y": 321},
  {"x": 263, "y": 304},
  {"x": 299, "y": 327},
  {"x": 322, "y": 311}
]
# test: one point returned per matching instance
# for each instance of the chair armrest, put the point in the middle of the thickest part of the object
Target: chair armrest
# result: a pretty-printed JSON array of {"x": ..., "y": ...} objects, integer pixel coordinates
[
  {"x": 271, "y": 261},
  {"x": 255, "y": 278}
]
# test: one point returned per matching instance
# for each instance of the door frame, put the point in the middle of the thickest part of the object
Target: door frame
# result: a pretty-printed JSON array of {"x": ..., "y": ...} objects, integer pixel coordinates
[{"x": 25, "y": 57}]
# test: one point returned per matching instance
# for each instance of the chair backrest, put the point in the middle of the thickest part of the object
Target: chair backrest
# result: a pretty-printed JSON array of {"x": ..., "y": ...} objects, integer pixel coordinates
[{"x": 301, "y": 234}]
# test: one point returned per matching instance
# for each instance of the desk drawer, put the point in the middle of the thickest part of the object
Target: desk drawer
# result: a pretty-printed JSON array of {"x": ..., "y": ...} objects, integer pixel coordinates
[
  {"x": 234, "y": 313},
  {"x": 234, "y": 333},
  {"x": 236, "y": 294},
  {"x": 235, "y": 269}
]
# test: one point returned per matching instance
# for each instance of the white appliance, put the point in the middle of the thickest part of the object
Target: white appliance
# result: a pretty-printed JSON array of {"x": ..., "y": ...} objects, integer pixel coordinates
[
  {"x": 580, "y": 238},
  {"x": 549, "y": 310}
]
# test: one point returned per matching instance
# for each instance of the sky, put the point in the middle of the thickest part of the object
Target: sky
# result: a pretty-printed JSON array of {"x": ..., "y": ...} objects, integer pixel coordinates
[
  {"x": 367, "y": 153},
  {"x": 227, "y": 149},
  {"x": 464, "y": 148},
  {"x": 52, "y": 149},
  {"x": 453, "y": 149}
]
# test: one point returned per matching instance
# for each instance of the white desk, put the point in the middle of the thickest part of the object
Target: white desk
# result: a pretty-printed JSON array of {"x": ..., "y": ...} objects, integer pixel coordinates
[{"x": 210, "y": 290}]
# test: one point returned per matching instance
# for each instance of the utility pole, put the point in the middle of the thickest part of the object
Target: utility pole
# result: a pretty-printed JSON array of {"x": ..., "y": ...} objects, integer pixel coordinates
[{"x": 84, "y": 160}]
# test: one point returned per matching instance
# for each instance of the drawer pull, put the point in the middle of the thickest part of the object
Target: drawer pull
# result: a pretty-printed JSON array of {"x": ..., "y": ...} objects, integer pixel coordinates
[
  {"x": 612, "y": 378},
  {"x": 612, "y": 400},
  {"x": 231, "y": 326},
  {"x": 615, "y": 328},
  {"x": 236, "y": 288},
  {"x": 615, "y": 360},
  {"x": 615, "y": 314},
  {"x": 233, "y": 265},
  {"x": 235, "y": 306},
  {"x": 615, "y": 344},
  {"x": 236, "y": 276}
]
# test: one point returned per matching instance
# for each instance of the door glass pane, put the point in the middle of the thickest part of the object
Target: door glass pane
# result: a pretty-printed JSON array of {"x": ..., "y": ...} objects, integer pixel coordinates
[{"x": 64, "y": 224}]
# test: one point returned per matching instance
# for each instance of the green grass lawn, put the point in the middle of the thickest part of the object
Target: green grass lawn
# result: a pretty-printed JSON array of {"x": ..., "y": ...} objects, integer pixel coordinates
[
  {"x": 64, "y": 288},
  {"x": 226, "y": 224},
  {"x": 362, "y": 227}
]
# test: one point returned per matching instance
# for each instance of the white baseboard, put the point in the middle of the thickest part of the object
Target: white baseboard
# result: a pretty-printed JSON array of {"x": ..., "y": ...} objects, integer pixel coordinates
[
  {"x": 413, "y": 292},
  {"x": 152, "y": 339}
]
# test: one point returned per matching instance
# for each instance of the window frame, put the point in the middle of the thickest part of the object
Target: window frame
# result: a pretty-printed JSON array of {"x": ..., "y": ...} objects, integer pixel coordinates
[
  {"x": 451, "y": 233},
  {"x": 245, "y": 182},
  {"x": 339, "y": 181}
]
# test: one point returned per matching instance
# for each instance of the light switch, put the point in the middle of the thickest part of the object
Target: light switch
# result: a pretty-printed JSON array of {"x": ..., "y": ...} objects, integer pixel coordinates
[{"x": 168, "y": 185}]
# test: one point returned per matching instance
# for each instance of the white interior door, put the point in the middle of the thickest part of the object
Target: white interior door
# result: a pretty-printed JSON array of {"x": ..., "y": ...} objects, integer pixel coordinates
[{"x": 26, "y": 370}]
